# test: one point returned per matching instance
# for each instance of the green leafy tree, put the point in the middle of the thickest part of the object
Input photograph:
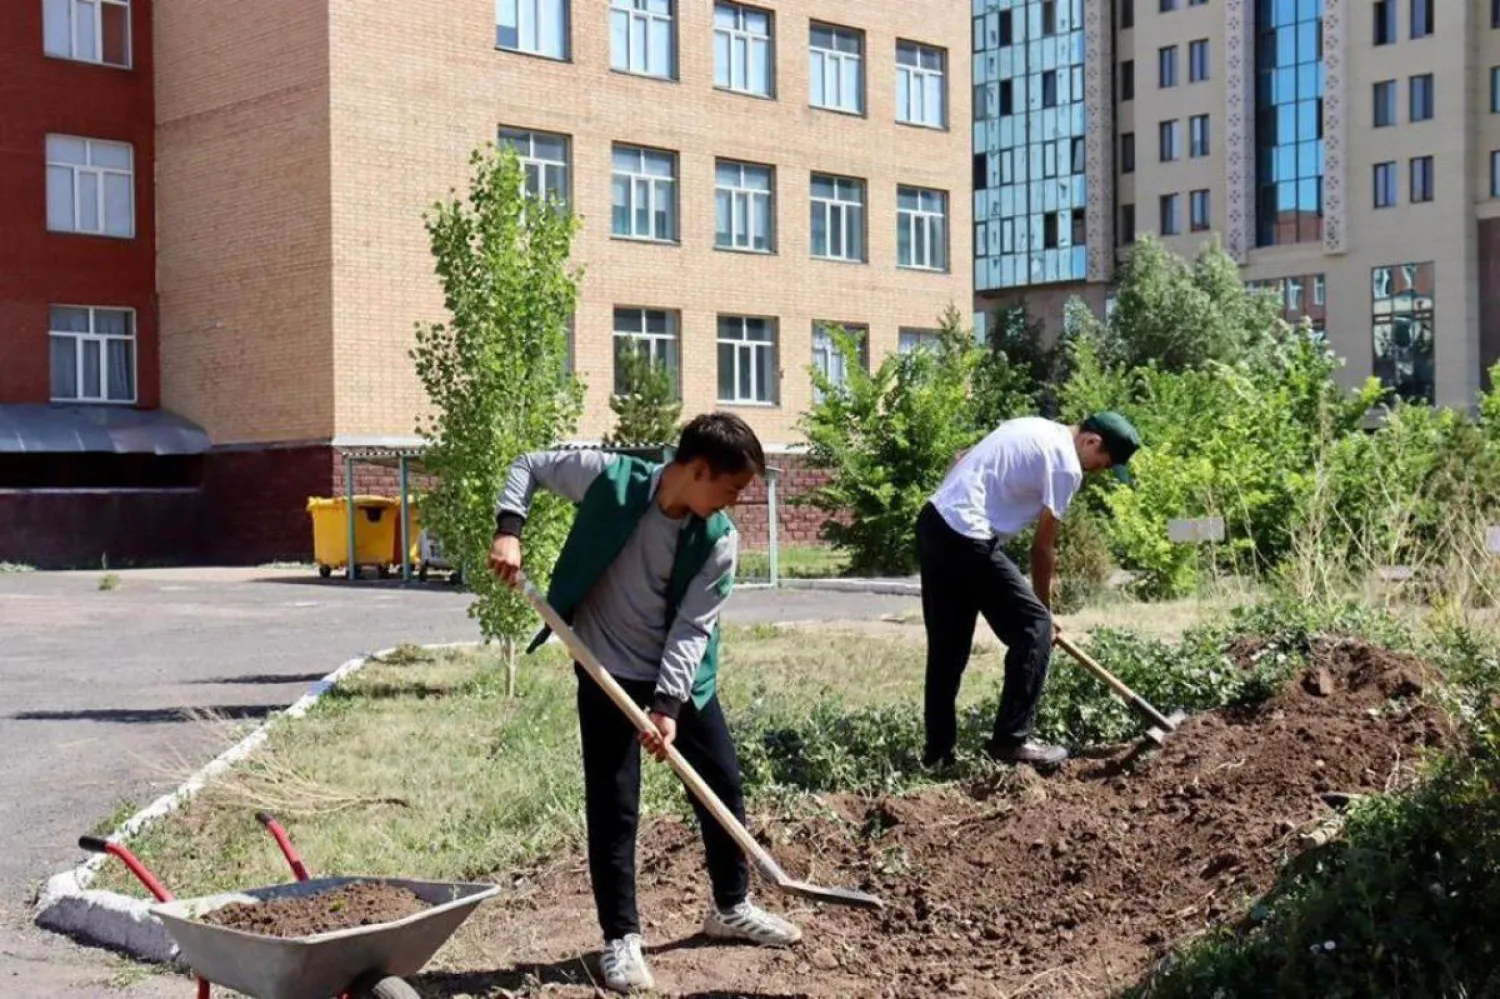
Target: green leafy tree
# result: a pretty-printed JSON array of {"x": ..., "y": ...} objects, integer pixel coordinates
[
  {"x": 887, "y": 438},
  {"x": 648, "y": 411},
  {"x": 496, "y": 374},
  {"x": 1016, "y": 371}
]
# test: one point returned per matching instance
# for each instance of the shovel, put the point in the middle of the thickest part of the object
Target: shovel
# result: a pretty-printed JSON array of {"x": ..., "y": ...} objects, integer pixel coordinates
[
  {"x": 1161, "y": 725},
  {"x": 764, "y": 862}
]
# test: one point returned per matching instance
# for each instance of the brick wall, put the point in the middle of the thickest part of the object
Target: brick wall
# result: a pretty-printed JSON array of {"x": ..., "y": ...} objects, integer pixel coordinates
[
  {"x": 73, "y": 530},
  {"x": 257, "y": 502}
]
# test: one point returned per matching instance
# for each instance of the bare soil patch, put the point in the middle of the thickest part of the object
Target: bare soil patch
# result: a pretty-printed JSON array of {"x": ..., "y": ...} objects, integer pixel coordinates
[
  {"x": 346, "y": 907},
  {"x": 1071, "y": 885}
]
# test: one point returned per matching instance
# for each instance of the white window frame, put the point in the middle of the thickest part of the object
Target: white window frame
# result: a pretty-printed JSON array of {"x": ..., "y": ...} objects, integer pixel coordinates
[
  {"x": 740, "y": 46},
  {"x": 743, "y": 200},
  {"x": 915, "y": 81},
  {"x": 535, "y": 21},
  {"x": 79, "y": 175},
  {"x": 910, "y": 338},
  {"x": 659, "y": 190},
  {"x": 103, "y": 340},
  {"x": 536, "y": 166},
  {"x": 926, "y": 229},
  {"x": 640, "y": 17},
  {"x": 826, "y": 357},
  {"x": 844, "y": 213},
  {"x": 662, "y": 348},
  {"x": 825, "y": 64},
  {"x": 72, "y": 49},
  {"x": 744, "y": 351}
]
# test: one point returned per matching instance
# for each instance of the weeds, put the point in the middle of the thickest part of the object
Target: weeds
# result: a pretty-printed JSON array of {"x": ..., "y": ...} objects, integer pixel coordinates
[{"x": 109, "y": 581}]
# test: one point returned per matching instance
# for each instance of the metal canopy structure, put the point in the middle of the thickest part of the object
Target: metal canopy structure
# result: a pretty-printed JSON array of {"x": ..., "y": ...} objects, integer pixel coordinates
[
  {"x": 42, "y": 428},
  {"x": 402, "y": 457}
]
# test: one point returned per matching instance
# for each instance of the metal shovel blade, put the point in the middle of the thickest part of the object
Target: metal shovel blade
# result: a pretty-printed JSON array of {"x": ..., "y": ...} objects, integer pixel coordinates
[{"x": 833, "y": 896}]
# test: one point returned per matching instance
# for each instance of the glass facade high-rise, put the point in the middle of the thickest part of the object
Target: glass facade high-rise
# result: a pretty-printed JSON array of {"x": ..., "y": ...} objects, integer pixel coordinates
[
  {"x": 1029, "y": 128},
  {"x": 1288, "y": 121}
]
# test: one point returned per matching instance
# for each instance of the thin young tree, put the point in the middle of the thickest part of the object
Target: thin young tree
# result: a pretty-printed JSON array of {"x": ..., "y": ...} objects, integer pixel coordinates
[
  {"x": 496, "y": 375},
  {"x": 647, "y": 410}
]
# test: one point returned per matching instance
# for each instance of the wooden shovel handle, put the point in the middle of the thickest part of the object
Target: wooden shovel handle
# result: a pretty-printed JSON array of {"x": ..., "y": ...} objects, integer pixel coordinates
[
  {"x": 700, "y": 789},
  {"x": 1129, "y": 696}
]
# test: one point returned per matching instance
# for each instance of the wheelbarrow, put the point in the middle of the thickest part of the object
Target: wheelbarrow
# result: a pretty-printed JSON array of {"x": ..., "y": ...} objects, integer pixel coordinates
[{"x": 364, "y": 962}]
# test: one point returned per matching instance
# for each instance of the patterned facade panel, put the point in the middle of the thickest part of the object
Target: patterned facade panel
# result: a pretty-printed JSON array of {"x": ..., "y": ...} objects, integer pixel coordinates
[
  {"x": 1335, "y": 207},
  {"x": 1099, "y": 104}
]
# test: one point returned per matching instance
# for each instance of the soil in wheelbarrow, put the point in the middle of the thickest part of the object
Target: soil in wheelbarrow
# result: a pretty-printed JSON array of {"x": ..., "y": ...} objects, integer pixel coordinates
[
  {"x": 346, "y": 907},
  {"x": 1069, "y": 885}
]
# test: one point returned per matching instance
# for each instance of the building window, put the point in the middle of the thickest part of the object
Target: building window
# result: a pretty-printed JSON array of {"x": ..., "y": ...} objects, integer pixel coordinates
[
  {"x": 1127, "y": 153},
  {"x": 1127, "y": 225},
  {"x": 920, "y": 85},
  {"x": 544, "y": 158},
  {"x": 535, "y": 27},
  {"x": 1078, "y": 236},
  {"x": 1049, "y": 18},
  {"x": 1127, "y": 80},
  {"x": 826, "y": 357},
  {"x": 909, "y": 339},
  {"x": 1198, "y": 210},
  {"x": 1049, "y": 88},
  {"x": 1403, "y": 302},
  {"x": 921, "y": 229},
  {"x": 1421, "y": 179},
  {"x": 1198, "y": 60},
  {"x": 1385, "y": 103},
  {"x": 1197, "y": 3},
  {"x": 90, "y": 186},
  {"x": 1289, "y": 123},
  {"x": 1171, "y": 223},
  {"x": 1495, "y": 87},
  {"x": 1007, "y": 97},
  {"x": 1167, "y": 6},
  {"x": 1050, "y": 237},
  {"x": 1127, "y": 13},
  {"x": 1495, "y": 174},
  {"x": 93, "y": 354},
  {"x": 1077, "y": 153},
  {"x": 1421, "y": 18},
  {"x": 1198, "y": 136},
  {"x": 1495, "y": 13},
  {"x": 836, "y": 73},
  {"x": 747, "y": 360},
  {"x": 641, "y": 38},
  {"x": 838, "y": 218},
  {"x": 1166, "y": 136},
  {"x": 1421, "y": 97},
  {"x": 1006, "y": 30},
  {"x": 1385, "y": 184},
  {"x": 1385, "y": 22},
  {"x": 1166, "y": 66},
  {"x": 742, "y": 49},
  {"x": 743, "y": 207},
  {"x": 650, "y": 331},
  {"x": 87, "y": 30},
  {"x": 645, "y": 194}
]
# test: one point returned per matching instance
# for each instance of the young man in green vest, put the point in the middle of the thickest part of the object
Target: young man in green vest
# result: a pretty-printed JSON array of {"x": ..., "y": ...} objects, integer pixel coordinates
[{"x": 641, "y": 578}]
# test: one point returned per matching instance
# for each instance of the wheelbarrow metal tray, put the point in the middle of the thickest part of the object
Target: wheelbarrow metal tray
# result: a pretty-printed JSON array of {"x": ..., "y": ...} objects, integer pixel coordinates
[{"x": 322, "y": 965}]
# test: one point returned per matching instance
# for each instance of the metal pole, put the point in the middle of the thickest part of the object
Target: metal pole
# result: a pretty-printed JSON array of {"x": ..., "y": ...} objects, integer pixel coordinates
[
  {"x": 771, "y": 475},
  {"x": 349, "y": 511},
  {"x": 405, "y": 526}
]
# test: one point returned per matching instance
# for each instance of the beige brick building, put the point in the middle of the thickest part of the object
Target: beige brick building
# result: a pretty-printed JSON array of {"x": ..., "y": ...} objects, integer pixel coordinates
[
  {"x": 299, "y": 143},
  {"x": 1344, "y": 151}
]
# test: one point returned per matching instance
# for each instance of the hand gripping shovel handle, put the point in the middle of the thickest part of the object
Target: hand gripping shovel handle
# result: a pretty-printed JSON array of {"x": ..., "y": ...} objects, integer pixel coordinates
[
  {"x": 1125, "y": 694},
  {"x": 766, "y": 864}
]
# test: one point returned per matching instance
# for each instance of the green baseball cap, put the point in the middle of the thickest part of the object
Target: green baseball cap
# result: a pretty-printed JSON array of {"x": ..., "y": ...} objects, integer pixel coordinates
[{"x": 1120, "y": 438}]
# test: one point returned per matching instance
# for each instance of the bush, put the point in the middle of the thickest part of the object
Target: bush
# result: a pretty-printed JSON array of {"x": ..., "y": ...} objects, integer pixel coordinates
[{"x": 648, "y": 411}]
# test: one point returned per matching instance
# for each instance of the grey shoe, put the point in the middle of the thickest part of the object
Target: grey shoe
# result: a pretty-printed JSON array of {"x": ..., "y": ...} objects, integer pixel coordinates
[
  {"x": 623, "y": 965},
  {"x": 750, "y": 923},
  {"x": 1037, "y": 754}
]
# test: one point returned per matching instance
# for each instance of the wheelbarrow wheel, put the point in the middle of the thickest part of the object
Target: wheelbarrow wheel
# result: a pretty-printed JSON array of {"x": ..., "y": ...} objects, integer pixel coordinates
[{"x": 376, "y": 985}]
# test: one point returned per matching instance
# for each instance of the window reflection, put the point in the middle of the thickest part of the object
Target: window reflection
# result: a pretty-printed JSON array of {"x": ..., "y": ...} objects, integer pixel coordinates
[{"x": 1403, "y": 303}]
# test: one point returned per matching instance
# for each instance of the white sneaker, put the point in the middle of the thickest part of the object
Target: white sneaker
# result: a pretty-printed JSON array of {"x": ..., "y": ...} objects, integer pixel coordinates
[
  {"x": 624, "y": 966},
  {"x": 752, "y": 923}
]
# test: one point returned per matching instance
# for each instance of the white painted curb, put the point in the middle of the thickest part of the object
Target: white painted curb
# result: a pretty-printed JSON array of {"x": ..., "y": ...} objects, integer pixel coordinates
[
  {"x": 889, "y": 587},
  {"x": 108, "y": 919}
]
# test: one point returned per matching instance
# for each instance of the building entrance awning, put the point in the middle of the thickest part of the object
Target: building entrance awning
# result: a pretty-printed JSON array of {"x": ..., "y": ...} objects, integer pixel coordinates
[{"x": 34, "y": 428}]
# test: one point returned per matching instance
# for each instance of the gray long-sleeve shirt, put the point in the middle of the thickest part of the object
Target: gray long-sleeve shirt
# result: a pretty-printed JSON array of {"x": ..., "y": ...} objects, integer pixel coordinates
[{"x": 623, "y": 619}]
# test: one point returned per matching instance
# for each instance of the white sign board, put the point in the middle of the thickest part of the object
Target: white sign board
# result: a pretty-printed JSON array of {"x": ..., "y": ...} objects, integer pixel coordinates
[
  {"x": 1195, "y": 531},
  {"x": 1493, "y": 541}
]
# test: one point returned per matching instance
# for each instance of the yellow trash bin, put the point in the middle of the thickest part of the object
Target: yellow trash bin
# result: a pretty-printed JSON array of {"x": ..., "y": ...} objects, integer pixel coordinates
[{"x": 375, "y": 532}]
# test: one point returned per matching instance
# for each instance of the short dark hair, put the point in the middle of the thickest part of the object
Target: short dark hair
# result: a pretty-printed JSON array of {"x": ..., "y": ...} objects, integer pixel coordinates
[{"x": 724, "y": 441}]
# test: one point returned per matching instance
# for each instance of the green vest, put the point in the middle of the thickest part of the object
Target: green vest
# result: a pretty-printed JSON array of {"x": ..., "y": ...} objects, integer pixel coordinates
[{"x": 603, "y": 523}]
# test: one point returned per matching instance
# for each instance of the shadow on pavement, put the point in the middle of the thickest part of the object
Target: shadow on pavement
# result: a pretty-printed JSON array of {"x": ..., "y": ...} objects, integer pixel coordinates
[
  {"x": 263, "y": 678},
  {"x": 152, "y": 716}
]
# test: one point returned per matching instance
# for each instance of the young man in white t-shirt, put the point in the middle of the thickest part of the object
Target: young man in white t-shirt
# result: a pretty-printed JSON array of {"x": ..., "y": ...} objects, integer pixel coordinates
[{"x": 1027, "y": 470}]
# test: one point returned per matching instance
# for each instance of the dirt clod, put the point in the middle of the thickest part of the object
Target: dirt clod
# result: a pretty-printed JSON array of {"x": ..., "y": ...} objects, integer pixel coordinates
[
  {"x": 1083, "y": 889},
  {"x": 346, "y": 907}
]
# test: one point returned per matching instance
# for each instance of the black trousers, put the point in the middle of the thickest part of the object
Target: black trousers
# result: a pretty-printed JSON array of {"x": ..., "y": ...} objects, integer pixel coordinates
[
  {"x": 961, "y": 579},
  {"x": 612, "y": 798}
]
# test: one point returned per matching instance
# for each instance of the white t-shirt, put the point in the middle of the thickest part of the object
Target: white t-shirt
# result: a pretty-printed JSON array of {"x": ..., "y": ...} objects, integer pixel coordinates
[{"x": 1002, "y": 484}]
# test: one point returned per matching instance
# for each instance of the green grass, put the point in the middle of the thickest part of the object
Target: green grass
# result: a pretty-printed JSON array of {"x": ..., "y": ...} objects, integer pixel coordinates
[
  {"x": 794, "y": 562},
  {"x": 11, "y": 568}
]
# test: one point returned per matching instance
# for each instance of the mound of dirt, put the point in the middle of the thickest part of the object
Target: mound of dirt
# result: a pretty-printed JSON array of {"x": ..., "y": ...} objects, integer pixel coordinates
[
  {"x": 1069, "y": 885},
  {"x": 346, "y": 907}
]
